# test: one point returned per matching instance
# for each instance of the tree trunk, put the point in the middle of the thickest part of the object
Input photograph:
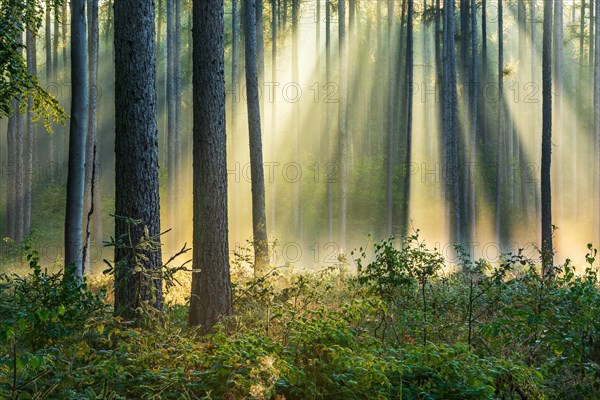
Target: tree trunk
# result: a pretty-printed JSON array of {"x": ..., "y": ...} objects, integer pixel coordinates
[
  {"x": 48, "y": 41},
  {"x": 136, "y": 155},
  {"x": 474, "y": 125},
  {"x": 28, "y": 147},
  {"x": 342, "y": 135},
  {"x": 77, "y": 138},
  {"x": 409, "y": 115},
  {"x": 259, "y": 220},
  {"x": 211, "y": 284},
  {"x": 330, "y": 135},
  {"x": 557, "y": 42},
  {"x": 92, "y": 185},
  {"x": 500, "y": 159},
  {"x": 547, "y": 251},
  {"x": 235, "y": 53},
  {"x": 11, "y": 195},
  {"x": 450, "y": 125},
  {"x": 171, "y": 107}
]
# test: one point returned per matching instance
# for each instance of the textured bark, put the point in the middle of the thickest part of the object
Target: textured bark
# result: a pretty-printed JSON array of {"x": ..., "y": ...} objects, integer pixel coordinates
[
  {"x": 136, "y": 152},
  {"x": 342, "y": 132},
  {"x": 259, "y": 220},
  {"x": 211, "y": 285},
  {"x": 77, "y": 138},
  {"x": 91, "y": 200},
  {"x": 450, "y": 125},
  {"x": 547, "y": 250},
  {"x": 409, "y": 116}
]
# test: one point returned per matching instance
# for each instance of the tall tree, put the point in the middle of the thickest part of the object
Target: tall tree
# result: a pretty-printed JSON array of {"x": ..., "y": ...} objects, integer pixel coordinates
[
  {"x": 92, "y": 185},
  {"x": 136, "y": 155},
  {"x": 328, "y": 127},
  {"x": 211, "y": 284},
  {"x": 500, "y": 159},
  {"x": 474, "y": 125},
  {"x": 259, "y": 220},
  {"x": 450, "y": 125},
  {"x": 409, "y": 116},
  {"x": 77, "y": 138},
  {"x": 557, "y": 43},
  {"x": 235, "y": 54},
  {"x": 390, "y": 157},
  {"x": 342, "y": 132},
  {"x": 547, "y": 250}
]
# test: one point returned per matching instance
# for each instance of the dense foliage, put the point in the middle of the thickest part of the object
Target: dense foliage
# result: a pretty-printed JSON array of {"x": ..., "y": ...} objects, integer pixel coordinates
[{"x": 404, "y": 327}]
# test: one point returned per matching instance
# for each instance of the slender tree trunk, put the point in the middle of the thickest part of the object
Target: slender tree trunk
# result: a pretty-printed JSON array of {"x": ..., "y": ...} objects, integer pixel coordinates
[
  {"x": 211, "y": 284},
  {"x": 28, "y": 147},
  {"x": 298, "y": 208},
  {"x": 136, "y": 155},
  {"x": 390, "y": 161},
  {"x": 171, "y": 109},
  {"x": 91, "y": 199},
  {"x": 557, "y": 42},
  {"x": 77, "y": 138},
  {"x": 273, "y": 109},
  {"x": 409, "y": 116},
  {"x": 65, "y": 23},
  {"x": 11, "y": 195},
  {"x": 260, "y": 54},
  {"x": 547, "y": 250},
  {"x": 48, "y": 41},
  {"x": 474, "y": 125},
  {"x": 330, "y": 135},
  {"x": 235, "y": 53},
  {"x": 450, "y": 125},
  {"x": 500, "y": 159},
  {"x": 342, "y": 133},
  {"x": 259, "y": 220}
]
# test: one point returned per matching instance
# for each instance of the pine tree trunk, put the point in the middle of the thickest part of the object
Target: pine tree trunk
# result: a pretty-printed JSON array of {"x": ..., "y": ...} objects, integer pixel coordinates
[
  {"x": 136, "y": 154},
  {"x": 211, "y": 284},
  {"x": 92, "y": 186},
  {"x": 235, "y": 54},
  {"x": 500, "y": 159},
  {"x": 474, "y": 125},
  {"x": 547, "y": 250},
  {"x": 342, "y": 133},
  {"x": 390, "y": 156},
  {"x": 77, "y": 138},
  {"x": 330, "y": 135},
  {"x": 409, "y": 116},
  {"x": 450, "y": 125},
  {"x": 259, "y": 220}
]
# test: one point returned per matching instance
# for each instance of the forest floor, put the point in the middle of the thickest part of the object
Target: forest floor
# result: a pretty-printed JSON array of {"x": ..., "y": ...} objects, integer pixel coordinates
[{"x": 405, "y": 326}]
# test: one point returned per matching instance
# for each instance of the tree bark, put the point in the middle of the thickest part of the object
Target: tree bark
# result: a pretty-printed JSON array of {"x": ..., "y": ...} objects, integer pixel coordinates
[
  {"x": 136, "y": 154},
  {"x": 342, "y": 132},
  {"x": 259, "y": 220},
  {"x": 211, "y": 284},
  {"x": 547, "y": 250},
  {"x": 77, "y": 138}
]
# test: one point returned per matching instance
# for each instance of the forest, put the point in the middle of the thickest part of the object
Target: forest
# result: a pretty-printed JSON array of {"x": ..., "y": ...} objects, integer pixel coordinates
[{"x": 299, "y": 199}]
